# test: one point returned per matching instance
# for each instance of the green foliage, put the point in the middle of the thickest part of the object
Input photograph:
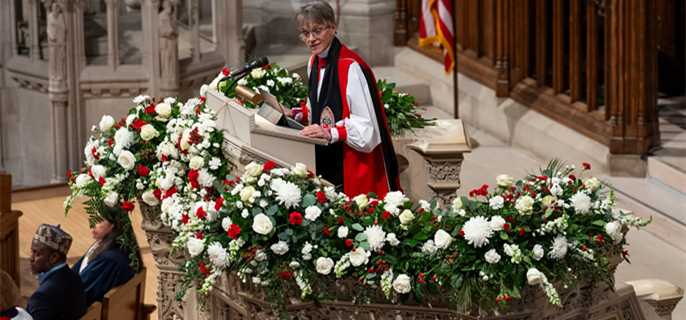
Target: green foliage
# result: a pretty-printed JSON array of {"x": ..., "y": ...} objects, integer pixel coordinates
[{"x": 402, "y": 112}]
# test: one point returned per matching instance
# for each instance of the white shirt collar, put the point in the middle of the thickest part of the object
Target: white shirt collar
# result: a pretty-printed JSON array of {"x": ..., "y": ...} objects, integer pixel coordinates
[{"x": 325, "y": 53}]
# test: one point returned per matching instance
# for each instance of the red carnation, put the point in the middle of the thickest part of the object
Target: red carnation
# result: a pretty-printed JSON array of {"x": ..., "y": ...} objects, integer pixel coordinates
[
  {"x": 341, "y": 219},
  {"x": 521, "y": 231},
  {"x": 226, "y": 72},
  {"x": 510, "y": 218},
  {"x": 184, "y": 218},
  {"x": 571, "y": 176},
  {"x": 234, "y": 231},
  {"x": 310, "y": 173},
  {"x": 586, "y": 166},
  {"x": 295, "y": 218},
  {"x": 326, "y": 230},
  {"x": 157, "y": 193},
  {"x": 95, "y": 155},
  {"x": 201, "y": 213},
  {"x": 506, "y": 226},
  {"x": 138, "y": 124},
  {"x": 143, "y": 171},
  {"x": 386, "y": 215},
  {"x": 193, "y": 175},
  {"x": 348, "y": 243},
  {"x": 101, "y": 181},
  {"x": 150, "y": 109},
  {"x": 69, "y": 173},
  {"x": 218, "y": 204},
  {"x": 204, "y": 269},
  {"x": 269, "y": 165},
  {"x": 195, "y": 185},
  {"x": 170, "y": 192},
  {"x": 109, "y": 142},
  {"x": 128, "y": 206},
  {"x": 461, "y": 233},
  {"x": 321, "y": 197},
  {"x": 198, "y": 235}
]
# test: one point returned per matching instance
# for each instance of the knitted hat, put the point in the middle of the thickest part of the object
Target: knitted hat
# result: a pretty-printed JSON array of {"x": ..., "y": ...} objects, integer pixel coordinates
[{"x": 53, "y": 237}]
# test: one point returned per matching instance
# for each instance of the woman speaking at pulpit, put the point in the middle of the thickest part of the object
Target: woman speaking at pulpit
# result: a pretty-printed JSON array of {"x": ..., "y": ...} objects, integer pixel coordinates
[{"x": 344, "y": 107}]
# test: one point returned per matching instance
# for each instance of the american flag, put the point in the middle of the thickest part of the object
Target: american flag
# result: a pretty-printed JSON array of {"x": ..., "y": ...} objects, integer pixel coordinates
[{"x": 436, "y": 28}]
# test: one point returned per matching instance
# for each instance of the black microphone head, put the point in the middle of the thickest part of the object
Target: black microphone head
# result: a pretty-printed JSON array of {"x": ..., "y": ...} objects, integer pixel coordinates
[{"x": 261, "y": 62}]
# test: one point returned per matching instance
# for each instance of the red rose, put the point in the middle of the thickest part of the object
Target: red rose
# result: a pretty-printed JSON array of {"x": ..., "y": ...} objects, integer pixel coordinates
[
  {"x": 94, "y": 153},
  {"x": 157, "y": 193},
  {"x": 385, "y": 215},
  {"x": 127, "y": 206},
  {"x": 143, "y": 171},
  {"x": 184, "y": 218},
  {"x": 295, "y": 218},
  {"x": 586, "y": 166},
  {"x": 138, "y": 124},
  {"x": 348, "y": 243},
  {"x": 310, "y": 173},
  {"x": 234, "y": 231},
  {"x": 321, "y": 197},
  {"x": 201, "y": 213},
  {"x": 101, "y": 181},
  {"x": 204, "y": 269},
  {"x": 218, "y": 204},
  {"x": 326, "y": 230},
  {"x": 193, "y": 175},
  {"x": 269, "y": 165}
]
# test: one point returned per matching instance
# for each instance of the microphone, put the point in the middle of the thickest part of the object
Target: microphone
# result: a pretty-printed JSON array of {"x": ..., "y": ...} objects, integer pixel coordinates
[{"x": 259, "y": 63}]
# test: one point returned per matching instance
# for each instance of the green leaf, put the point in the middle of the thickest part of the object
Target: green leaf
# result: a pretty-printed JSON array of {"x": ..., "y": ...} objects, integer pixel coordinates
[
  {"x": 504, "y": 236},
  {"x": 357, "y": 227},
  {"x": 289, "y": 232},
  {"x": 548, "y": 212},
  {"x": 599, "y": 223},
  {"x": 432, "y": 287},
  {"x": 412, "y": 242},
  {"x": 390, "y": 259},
  {"x": 415, "y": 228},
  {"x": 371, "y": 275},
  {"x": 361, "y": 237},
  {"x": 272, "y": 210},
  {"x": 422, "y": 236},
  {"x": 456, "y": 281},
  {"x": 256, "y": 211},
  {"x": 308, "y": 200},
  {"x": 364, "y": 245}
]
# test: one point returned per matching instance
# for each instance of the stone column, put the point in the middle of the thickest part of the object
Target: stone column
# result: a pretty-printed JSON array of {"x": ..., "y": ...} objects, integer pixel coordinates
[
  {"x": 194, "y": 28},
  {"x": 368, "y": 25},
  {"x": 169, "y": 49},
  {"x": 230, "y": 31},
  {"x": 151, "y": 45},
  {"x": 34, "y": 45},
  {"x": 57, "y": 86},
  {"x": 112, "y": 33}
]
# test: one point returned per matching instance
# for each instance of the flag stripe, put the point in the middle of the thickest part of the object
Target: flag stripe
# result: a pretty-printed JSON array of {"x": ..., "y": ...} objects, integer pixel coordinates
[{"x": 436, "y": 26}]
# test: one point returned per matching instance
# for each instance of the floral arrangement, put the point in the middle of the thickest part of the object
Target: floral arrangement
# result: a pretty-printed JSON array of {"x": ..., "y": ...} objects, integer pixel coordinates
[
  {"x": 280, "y": 228},
  {"x": 162, "y": 149},
  {"x": 401, "y": 110}
]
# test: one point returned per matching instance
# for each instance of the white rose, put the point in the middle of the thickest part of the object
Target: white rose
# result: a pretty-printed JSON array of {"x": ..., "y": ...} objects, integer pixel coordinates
[
  {"x": 614, "y": 230},
  {"x": 492, "y": 256},
  {"x": 247, "y": 192},
  {"x": 195, "y": 246},
  {"x": 457, "y": 204},
  {"x": 106, "y": 123},
  {"x": 392, "y": 240},
  {"x": 258, "y": 73},
  {"x": 538, "y": 252},
  {"x": 504, "y": 180},
  {"x": 148, "y": 132},
  {"x": 196, "y": 163},
  {"x": 342, "y": 232},
  {"x": 525, "y": 205},
  {"x": 442, "y": 239},
  {"x": 312, "y": 213},
  {"x": 406, "y": 217},
  {"x": 592, "y": 183},
  {"x": 111, "y": 199},
  {"x": 359, "y": 257},
  {"x": 127, "y": 160},
  {"x": 361, "y": 201},
  {"x": 294, "y": 264},
  {"x": 98, "y": 171},
  {"x": 150, "y": 199},
  {"x": 253, "y": 169},
  {"x": 226, "y": 223},
  {"x": 401, "y": 284},
  {"x": 324, "y": 265},
  {"x": 300, "y": 170},
  {"x": 163, "y": 110},
  {"x": 280, "y": 248},
  {"x": 534, "y": 276},
  {"x": 185, "y": 145},
  {"x": 262, "y": 224},
  {"x": 260, "y": 255}
]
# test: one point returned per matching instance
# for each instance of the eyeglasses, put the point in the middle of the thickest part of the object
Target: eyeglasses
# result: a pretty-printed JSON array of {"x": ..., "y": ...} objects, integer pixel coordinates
[{"x": 316, "y": 33}]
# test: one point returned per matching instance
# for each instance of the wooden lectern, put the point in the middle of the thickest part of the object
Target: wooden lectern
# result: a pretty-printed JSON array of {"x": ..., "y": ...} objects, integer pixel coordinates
[
  {"x": 9, "y": 231},
  {"x": 249, "y": 137}
]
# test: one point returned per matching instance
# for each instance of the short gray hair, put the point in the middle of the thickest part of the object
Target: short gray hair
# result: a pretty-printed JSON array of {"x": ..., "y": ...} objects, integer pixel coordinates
[{"x": 316, "y": 12}]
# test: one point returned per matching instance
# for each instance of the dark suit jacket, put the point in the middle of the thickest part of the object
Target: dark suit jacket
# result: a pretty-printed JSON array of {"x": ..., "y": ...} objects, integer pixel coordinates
[{"x": 61, "y": 296}]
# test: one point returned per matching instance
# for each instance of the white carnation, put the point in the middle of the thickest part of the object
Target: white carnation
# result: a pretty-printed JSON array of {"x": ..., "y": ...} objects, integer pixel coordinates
[
  {"x": 280, "y": 248},
  {"x": 497, "y": 223},
  {"x": 538, "y": 252},
  {"x": 429, "y": 247},
  {"x": 492, "y": 256},
  {"x": 226, "y": 223},
  {"x": 312, "y": 213},
  {"x": 342, "y": 232},
  {"x": 392, "y": 240},
  {"x": 497, "y": 202}
]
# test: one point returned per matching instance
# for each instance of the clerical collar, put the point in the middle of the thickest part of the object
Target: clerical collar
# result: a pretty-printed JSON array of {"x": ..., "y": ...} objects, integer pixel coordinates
[
  {"x": 45, "y": 275},
  {"x": 324, "y": 53},
  {"x": 10, "y": 313}
]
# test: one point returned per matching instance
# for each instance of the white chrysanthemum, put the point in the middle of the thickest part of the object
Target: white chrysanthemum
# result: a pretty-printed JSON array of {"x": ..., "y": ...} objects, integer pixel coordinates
[
  {"x": 581, "y": 202},
  {"x": 218, "y": 255},
  {"x": 477, "y": 231},
  {"x": 496, "y": 202},
  {"x": 123, "y": 138},
  {"x": 205, "y": 178},
  {"x": 88, "y": 151},
  {"x": 287, "y": 193},
  {"x": 492, "y": 256},
  {"x": 497, "y": 223},
  {"x": 559, "y": 248},
  {"x": 376, "y": 237}
]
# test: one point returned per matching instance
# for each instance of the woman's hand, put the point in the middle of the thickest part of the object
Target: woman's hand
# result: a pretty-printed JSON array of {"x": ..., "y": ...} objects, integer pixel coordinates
[
  {"x": 287, "y": 112},
  {"x": 315, "y": 131}
]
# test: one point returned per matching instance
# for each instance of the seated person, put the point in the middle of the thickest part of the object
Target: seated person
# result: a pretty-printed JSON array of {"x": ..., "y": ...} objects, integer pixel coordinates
[
  {"x": 105, "y": 265},
  {"x": 9, "y": 296},
  {"x": 60, "y": 294}
]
